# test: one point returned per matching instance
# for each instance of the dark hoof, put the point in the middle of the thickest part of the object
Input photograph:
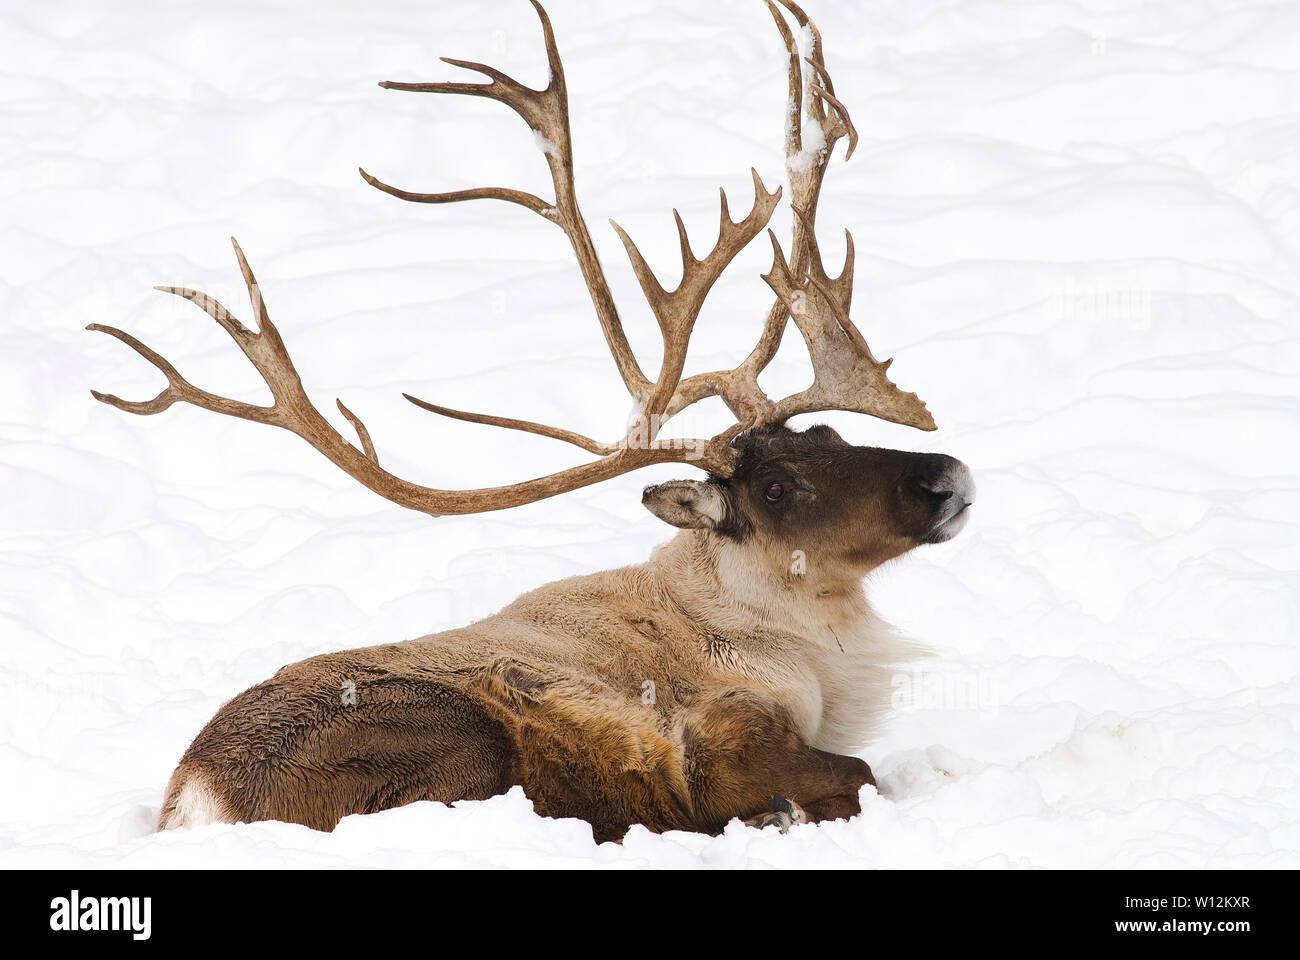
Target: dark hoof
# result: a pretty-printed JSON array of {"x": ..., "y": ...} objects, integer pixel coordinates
[{"x": 783, "y": 815}]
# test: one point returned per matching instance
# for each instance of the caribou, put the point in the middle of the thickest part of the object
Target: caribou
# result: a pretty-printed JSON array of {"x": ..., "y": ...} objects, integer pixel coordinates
[{"x": 733, "y": 674}]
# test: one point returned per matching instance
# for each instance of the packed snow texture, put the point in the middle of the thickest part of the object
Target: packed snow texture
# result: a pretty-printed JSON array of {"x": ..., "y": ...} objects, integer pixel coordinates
[{"x": 1078, "y": 231}]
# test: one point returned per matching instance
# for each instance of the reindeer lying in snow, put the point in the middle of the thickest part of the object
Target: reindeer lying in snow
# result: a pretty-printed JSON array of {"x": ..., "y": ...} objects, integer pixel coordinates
[{"x": 727, "y": 677}]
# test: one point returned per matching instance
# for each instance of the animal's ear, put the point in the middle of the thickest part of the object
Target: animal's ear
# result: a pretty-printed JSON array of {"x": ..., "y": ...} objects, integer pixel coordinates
[{"x": 689, "y": 504}]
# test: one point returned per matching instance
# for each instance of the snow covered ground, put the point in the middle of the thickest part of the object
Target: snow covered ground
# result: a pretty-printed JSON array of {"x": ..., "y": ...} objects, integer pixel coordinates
[{"x": 1078, "y": 230}]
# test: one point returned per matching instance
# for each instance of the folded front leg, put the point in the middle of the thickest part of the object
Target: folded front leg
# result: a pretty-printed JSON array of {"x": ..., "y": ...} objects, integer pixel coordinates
[{"x": 742, "y": 757}]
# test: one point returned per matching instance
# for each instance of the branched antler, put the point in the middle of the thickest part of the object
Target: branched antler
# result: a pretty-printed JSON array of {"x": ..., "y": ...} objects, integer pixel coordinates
[
  {"x": 846, "y": 374},
  {"x": 547, "y": 113},
  {"x": 810, "y": 138},
  {"x": 678, "y": 311}
]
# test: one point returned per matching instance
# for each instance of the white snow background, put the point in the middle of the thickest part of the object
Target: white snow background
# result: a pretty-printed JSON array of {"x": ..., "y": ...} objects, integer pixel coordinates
[{"x": 1077, "y": 226}]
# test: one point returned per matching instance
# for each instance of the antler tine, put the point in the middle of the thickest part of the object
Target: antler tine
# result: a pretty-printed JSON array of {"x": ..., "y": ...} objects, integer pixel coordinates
[
  {"x": 803, "y": 19},
  {"x": 816, "y": 108},
  {"x": 806, "y": 21},
  {"x": 837, "y": 293},
  {"x": 501, "y": 87},
  {"x": 264, "y": 325},
  {"x": 826, "y": 92},
  {"x": 553, "y": 60},
  {"x": 794, "y": 103},
  {"x": 367, "y": 445},
  {"x": 688, "y": 255},
  {"x": 841, "y": 285},
  {"x": 526, "y": 426},
  {"x": 819, "y": 67},
  {"x": 781, "y": 278},
  {"x": 521, "y": 197},
  {"x": 653, "y": 290}
]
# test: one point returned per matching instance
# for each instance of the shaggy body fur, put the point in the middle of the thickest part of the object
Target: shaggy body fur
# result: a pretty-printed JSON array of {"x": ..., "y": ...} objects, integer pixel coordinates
[{"x": 552, "y": 693}]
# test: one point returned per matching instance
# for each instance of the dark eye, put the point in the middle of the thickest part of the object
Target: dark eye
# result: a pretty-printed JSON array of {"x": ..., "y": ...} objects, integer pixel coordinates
[{"x": 774, "y": 492}]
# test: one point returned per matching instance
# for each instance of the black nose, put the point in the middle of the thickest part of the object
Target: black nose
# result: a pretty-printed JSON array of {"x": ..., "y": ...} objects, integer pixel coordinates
[
  {"x": 946, "y": 485},
  {"x": 944, "y": 478}
]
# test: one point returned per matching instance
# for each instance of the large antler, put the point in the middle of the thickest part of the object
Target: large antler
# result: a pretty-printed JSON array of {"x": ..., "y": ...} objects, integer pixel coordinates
[
  {"x": 547, "y": 113},
  {"x": 846, "y": 375}
]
